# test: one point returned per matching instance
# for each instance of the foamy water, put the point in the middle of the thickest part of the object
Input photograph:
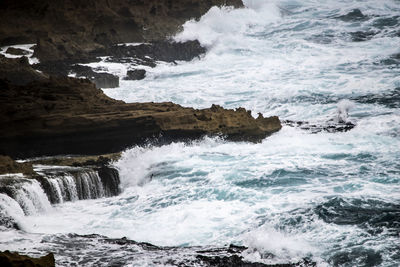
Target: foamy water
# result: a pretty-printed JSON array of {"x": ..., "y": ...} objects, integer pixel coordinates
[{"x": 333, "y": 197}]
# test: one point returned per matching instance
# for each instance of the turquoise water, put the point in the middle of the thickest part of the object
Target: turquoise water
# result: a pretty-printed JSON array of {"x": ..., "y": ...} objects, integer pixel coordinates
[{"x": 333, "y": 197}]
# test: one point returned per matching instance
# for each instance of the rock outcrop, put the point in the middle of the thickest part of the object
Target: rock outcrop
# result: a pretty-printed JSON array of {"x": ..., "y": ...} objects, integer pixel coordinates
[
  {"x": 18, "y": 71},
  {"x": 13, "y": 259},
  {"x": 71, "y": 116},
  {"x": 71, "y": 29}
]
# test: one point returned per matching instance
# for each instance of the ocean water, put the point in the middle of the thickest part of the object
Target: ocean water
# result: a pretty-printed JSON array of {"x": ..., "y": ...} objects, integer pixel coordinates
[{"x": 331, "y": 197}]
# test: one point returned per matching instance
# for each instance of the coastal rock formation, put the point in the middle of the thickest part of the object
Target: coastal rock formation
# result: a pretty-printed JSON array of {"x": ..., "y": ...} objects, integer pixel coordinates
[
  {"x": 71, "y": 116},
  {"x": 18, "y": 71},
  {"x": 12, "y": 259},
  {"x": 138, "y": 74},
  {"x": 144, "y": 54},
  {"x": 70, "y": 29}
]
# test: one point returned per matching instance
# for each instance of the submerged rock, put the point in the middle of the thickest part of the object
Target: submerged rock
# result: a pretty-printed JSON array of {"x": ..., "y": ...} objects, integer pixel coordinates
[
  {"x": 330, "y": 127},
  {"x": 11, "y": 259}
]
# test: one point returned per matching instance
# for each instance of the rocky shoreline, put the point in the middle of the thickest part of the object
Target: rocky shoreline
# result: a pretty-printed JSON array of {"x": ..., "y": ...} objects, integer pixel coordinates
[
  {"x": 46, "y": 116},
  {"x": 45, "y": 113}
]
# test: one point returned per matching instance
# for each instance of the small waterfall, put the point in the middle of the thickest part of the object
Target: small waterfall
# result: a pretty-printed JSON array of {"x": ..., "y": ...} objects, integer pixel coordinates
[
  {"x": 77, "y": 183},
  {"x": 20, "y": 196},
  {"x": 28, "y": 193},
  {"x": 11, "y": 213},
  {"x": 89, "y": 185}
]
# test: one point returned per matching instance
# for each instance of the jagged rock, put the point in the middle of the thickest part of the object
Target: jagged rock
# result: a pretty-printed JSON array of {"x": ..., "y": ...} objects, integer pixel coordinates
[
  {"x": 100, "y": 79},
  {"x": 13, "y": 259},
  {"x": 156, "y": 51},
  {"x": 329, "y": 127},
  {"x": 18, "y": 71},
  {"x": 72, "y": 116},
  {"x": 71, "y": 29},
  {"x": 17, "y": 51},
  {"x": 138, "y": 74}
]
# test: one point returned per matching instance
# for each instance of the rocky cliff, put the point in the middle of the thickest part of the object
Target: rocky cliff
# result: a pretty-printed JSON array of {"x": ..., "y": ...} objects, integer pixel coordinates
[
  {"x": 71, "y": 116},
  {"x": 70, "y": 28}
]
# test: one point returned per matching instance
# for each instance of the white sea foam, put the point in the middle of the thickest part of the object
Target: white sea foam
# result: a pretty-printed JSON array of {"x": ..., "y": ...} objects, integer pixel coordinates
[{"x": 286, "y": 58}]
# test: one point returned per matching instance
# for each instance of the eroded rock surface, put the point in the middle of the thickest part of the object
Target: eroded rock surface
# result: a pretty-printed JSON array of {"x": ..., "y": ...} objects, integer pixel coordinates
[
  {"x": 71, "y": 116},
  {"x": 18, "y": 71},
  {"x": 71, "y": 29}
]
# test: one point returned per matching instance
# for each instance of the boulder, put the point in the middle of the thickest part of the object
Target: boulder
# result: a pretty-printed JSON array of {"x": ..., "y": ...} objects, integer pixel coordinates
[{"x": 138, "y": 74}]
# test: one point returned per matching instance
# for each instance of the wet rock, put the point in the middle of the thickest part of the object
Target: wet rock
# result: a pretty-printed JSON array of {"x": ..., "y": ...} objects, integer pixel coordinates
[
  {"x": 148, "y": 53},
  {"x": 72, "y": 29},
  {"x": 17, "y": 51},
  {"x": 100, "y": 79},
  {"x": 144, "y": 54},
  {"x": 138, "y": 74},
  {"x": 354, "y": 15},
  {"x": 18, "y": 71},
  {"x": 72, "y": 116},
  {"x": 12, "y": 259},
  {"x": 330, "y": 127}
]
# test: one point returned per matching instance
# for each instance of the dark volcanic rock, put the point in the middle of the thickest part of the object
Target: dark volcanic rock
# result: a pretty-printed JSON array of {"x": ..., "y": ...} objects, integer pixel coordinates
[
  {"x": 70, "y": 29},
  {"x": 72, "y": 116},
  {"x": 18, "y": 71},
  {"x": 138, "y": 74},
  {"x": 156, "y": 51},
  {"x": 144, "y": 54},
  {"x": 16, "y": 51},
  {"x": 100, "y": 79},
  {"x": 330, "y": 126},
  {"x": 10, "y": 259}
]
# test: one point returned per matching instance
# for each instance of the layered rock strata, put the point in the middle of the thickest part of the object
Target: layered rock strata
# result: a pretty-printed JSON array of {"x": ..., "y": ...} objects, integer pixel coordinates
[
  {"x": 71, "y": 116},
  {"x": 71, "y": 29}
]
